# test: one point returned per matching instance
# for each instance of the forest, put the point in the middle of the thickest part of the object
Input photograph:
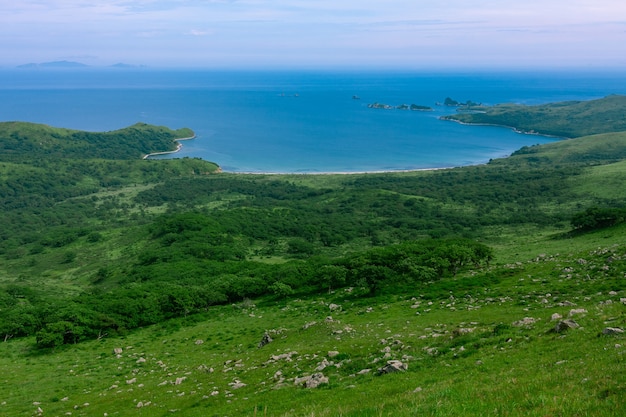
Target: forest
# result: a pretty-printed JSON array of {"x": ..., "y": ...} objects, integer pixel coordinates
[
  {"x": 192, "y": 238},
  {"x": 98, "y": 244}
]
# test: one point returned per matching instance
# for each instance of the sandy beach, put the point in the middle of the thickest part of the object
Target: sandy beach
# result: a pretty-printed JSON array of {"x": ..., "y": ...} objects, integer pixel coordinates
[{"x": 179, "y": 146}]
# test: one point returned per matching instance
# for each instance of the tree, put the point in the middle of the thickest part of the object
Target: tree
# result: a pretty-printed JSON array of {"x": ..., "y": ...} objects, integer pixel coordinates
[
  {"x": 281, "y": 289},
  {"x": 373, "y": 277},
  {"x": 57, "y": 334}
]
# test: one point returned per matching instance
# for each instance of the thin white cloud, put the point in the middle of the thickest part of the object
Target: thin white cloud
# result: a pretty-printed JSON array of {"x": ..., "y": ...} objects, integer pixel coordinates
[
  {"x": 311, "y": 30},
  {"x": 198, "y": 32}
]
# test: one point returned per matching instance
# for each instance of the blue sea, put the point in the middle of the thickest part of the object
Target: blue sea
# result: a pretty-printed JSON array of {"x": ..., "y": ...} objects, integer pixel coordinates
[{"x": 298, "y": 121}]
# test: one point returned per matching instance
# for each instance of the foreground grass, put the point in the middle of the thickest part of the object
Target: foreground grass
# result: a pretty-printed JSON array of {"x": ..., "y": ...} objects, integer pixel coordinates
[{"x": 465, "y": 353}]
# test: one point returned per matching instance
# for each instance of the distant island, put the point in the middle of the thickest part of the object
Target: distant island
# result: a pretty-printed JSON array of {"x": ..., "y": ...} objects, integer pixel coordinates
[
  {"x": 54, "y": 64},
  {"x": 73, "y": 65},
  {"x": 126, "y": 66},
  {"x": 449, "y": 102},
  {"x": 413, "y": 107}
]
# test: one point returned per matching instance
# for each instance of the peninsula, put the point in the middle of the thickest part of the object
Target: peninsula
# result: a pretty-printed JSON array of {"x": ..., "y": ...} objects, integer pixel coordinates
[{"x": 568, "y": 119}]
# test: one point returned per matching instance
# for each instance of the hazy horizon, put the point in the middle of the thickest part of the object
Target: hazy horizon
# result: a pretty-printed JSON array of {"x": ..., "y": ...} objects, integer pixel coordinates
[{"x": 301, "y": 34}]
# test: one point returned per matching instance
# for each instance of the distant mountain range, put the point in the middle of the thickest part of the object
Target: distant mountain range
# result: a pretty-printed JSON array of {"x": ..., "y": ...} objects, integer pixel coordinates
[{"x": 72, "y": 64}]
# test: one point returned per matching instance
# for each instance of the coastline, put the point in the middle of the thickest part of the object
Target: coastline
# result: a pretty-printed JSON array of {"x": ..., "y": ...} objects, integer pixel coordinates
[
  {"x": 179, "y": 146},
  {"x": 514, "y": 129},
  {"x": 391, "y": 171}
]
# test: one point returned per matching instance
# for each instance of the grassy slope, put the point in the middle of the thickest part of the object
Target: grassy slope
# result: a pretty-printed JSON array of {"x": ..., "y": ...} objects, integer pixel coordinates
[{"x": 498, "y": 369}]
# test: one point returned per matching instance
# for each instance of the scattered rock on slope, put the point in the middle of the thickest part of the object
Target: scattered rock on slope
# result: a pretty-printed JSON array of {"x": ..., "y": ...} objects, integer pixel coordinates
[
  {"x": 392, "y": 367},
  {"x": 564, "y": 325}
]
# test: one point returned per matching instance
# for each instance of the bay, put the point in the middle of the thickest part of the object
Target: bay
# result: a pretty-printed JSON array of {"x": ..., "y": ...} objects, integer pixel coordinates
[{"x": 299, "y": 122}]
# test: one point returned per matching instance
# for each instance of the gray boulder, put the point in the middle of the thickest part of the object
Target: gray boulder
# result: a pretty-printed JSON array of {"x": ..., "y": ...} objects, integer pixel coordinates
[
  {"x": 393, "y": 366},
  {"x": 565, "y": 325},
  {"x": 612, "y": 331},
  {"x": 265, "y": 340},
  {"x": 311, "y": 381}
]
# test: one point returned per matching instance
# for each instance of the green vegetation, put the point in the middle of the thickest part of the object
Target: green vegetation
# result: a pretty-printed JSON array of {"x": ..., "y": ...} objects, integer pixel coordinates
[
  {"x": 566, "y": 119},
  {"x": 144, "y": 287},
  {"x": 413, "y": 107},
  {"x": 29, "y": 142},
  {"x": 453, "y": 103}
]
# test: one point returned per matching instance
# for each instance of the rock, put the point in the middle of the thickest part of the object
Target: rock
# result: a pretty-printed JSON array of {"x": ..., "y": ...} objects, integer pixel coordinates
[
  {"x": 392, "y": 367},
  {"x": 576, "y": 311},
  {"x": 141, "y": 360},
  {"x": 462, "y": 331},
  {"x": 131, "y": 381},
  {"x": 334, "y": 307},
  {"x": 118, "y": 351},
  {"x": 556, "y": 316},
  {"x": 323, "y": 365},
  {"x": 332, "y": 353},
  {"x": 307, "y": 325},
  {"x": 612, "y": 331},
  {"x": 236, "y": 384},
  {"x": 199, "y": 342},
  {"x": 204, "y": 368},
  {"x": 265, "y": 340},
  {"x": 564, "y": 325},
  {"x": 312, "y": 381},
  {"x": 139, "y": 404},
  {"x": 364, "y": 371},
  {"x": 526, "y": 321},
  {"x": 283, "y": 356},
  {"x": 180, "y": 380}
]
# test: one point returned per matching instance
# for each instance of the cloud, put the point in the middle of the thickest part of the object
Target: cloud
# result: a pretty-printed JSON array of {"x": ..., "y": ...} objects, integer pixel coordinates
[
  {"x": 309, "y": 30},
  {"x": 198, "y": 32}
]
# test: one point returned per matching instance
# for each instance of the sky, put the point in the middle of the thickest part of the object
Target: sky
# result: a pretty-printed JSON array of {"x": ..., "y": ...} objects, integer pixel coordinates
[{"x": 407, "y": 34}]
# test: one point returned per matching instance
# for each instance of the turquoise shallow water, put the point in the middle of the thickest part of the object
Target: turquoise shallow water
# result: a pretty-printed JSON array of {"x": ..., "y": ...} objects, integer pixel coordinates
[{"x": 298, "y": 121}]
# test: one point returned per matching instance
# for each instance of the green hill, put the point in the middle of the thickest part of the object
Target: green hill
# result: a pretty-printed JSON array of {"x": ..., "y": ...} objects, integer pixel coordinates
[
  {"x": 21, "y": 141},
  {"x": 144, "y": 287},
  {"x": 566, "y": 119}
]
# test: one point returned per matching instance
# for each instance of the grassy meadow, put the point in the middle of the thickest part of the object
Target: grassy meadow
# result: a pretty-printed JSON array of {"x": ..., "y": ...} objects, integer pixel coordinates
[{"x": 144, "y": 287}]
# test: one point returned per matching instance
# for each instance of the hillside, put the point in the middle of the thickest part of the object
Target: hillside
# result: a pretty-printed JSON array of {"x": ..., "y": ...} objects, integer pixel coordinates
[
  {"x": 140, "y": 287},
  {"x": 566, "y": 119},
  {"x": 28, "y": 142}
]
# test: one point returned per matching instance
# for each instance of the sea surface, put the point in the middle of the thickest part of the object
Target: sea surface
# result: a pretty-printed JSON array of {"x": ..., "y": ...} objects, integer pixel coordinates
[{"x": 297, "y": 121}]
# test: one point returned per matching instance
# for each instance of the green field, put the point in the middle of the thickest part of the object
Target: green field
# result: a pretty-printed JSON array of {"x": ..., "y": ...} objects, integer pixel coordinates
[{"x": 144, "y": 287}]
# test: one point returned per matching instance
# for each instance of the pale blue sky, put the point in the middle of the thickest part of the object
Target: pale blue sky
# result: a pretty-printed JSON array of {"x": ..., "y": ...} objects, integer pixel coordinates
[{"x": 316, "y": 33}]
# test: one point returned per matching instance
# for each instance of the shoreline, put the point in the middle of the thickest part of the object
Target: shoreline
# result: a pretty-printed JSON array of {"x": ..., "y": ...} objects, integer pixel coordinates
[
  {"x": 514, "y": 129},
  {"x": 391, "y": 171},
  {"x": 179, "y": 146}
]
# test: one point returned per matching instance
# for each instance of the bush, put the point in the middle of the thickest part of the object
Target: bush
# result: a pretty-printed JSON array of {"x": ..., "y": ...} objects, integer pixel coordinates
[{"x": 598, "y": 218}]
